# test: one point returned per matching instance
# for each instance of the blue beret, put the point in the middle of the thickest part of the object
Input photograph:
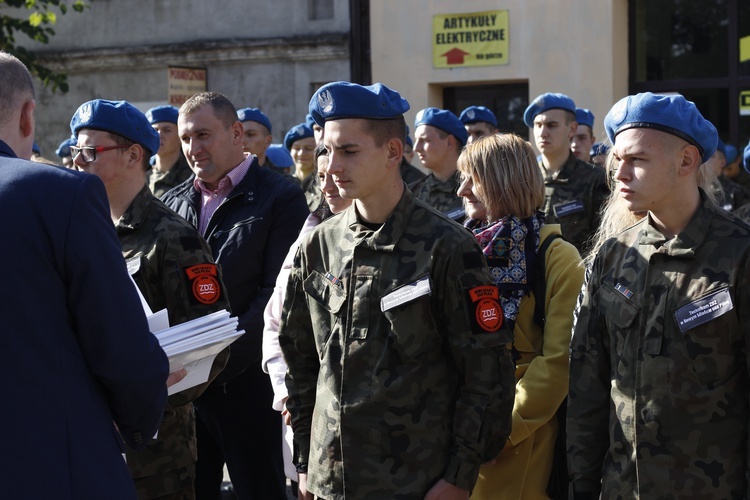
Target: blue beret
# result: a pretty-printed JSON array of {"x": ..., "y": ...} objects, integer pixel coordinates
[
  {"x": 162, "y": 114},
  {"x": 309, "y": 120},
  {"x": 730, "y": 153},
  {"x": 254, "y": 115},
  {"x": 301, "y": 131},
  {"x": 63, "y": 149},
  {"x": 585, "y": 117},
  {"x": 445, "y": 121},
  {"x": 408, "y": 137},
  {"x": 117, "y": 117},
  {"x": 279, "y": 156},
  {"x": 474, "y": 114},
  {"x": 721, "y": 147},
  {"x": 672, "y": 114},
  {"x": 599, "y": 148},
  {"x": 547, "y": 101},
  {"x": 338, "y": 100}
]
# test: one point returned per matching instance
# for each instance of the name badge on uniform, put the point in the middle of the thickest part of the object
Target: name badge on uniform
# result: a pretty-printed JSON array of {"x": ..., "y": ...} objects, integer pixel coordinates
[
  {"x": 458, "y": 213},
  {"x": 133, "y": 264},
  {"x": 406, "y": 293},
  {"x": 704, "y": 309},
  {"x": 568, "y": 207}
]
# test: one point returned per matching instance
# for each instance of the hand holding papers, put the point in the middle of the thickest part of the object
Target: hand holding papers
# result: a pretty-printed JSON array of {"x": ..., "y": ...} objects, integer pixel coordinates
[{"x": 193, "y": 345}]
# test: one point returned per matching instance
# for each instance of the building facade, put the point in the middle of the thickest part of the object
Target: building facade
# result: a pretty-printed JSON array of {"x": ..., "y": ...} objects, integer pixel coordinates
[
  {"x": 594, "y": 51},
  {"x": 269, "y": 55}
]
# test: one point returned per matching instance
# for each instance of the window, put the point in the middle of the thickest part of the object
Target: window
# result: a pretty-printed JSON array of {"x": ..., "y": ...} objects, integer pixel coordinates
[
  {"x": 319, "y": 9},
  {"x": 508, "y": 101},
  {"x": 695, "y": 48}
]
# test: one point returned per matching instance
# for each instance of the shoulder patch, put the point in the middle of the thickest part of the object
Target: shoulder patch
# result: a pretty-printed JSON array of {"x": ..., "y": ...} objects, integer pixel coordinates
[
  {"x": 488, "y": 315},
  {"x": 204, "y": 282}
]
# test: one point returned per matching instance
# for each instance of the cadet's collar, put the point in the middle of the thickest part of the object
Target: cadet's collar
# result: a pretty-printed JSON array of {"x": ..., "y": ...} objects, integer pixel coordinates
[
  {"x": 6, "y": 150},
  {"x": 690, "y": 238},
  {"x": 136, "y": 212},
  {"x": 450, "y": 185},
  {"x": 387, "y": 236}
]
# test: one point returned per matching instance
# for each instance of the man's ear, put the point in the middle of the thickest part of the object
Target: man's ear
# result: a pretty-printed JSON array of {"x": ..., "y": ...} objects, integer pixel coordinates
[
  {"x": 135, "y": 155},
  {"x": 26, "y": 123},
  {"x": 238, "y": 131},
  {"x": 395, "y": 151},
  {"x": 572, "y": 127},
  {"x": 690, "y": 160}
]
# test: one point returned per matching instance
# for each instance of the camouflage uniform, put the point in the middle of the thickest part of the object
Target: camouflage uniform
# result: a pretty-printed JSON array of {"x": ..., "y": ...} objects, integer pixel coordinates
[
  {"x": 161, "y": 249},
  {"x": 441, "y": 195},
  {"x": 743, "y": 212},
  {"x": 573, "y": 198},
  {"x": 313, "y": 194},
  {"x": 409, "y": 173},
  {"x": 384, "y": 404},
  {"x": 160, "y": 182},
  {"x": 658, "y": 404},
  {"x": 732, "y": 195}
]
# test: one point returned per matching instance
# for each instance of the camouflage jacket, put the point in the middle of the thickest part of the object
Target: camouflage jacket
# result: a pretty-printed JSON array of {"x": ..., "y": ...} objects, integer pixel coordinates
[
  {"x": 173, "y": 268},
  {"x": 658, "y": 404},
  {"x": 409, "y": 173},
  {"x": 573, "y": 198},
  {"x": 393, "y": 381},
  {"x": 442, "y": 196},
  {"x": 161, "y": 182},
  {"x": 732, "y": 196}
]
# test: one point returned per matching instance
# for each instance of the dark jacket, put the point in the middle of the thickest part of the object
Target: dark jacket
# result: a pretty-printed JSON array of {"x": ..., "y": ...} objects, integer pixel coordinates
[
  {"x": 78, "y": 358},
  {"x": 249, "y": 235}
]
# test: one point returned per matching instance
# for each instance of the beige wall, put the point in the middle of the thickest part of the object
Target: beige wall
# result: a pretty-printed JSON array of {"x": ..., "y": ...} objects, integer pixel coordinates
[{"x": 577, "y": 48}]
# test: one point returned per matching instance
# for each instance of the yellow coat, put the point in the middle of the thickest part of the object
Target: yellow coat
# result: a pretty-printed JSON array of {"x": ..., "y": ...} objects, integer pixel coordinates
[{"x": 522, "y": 470}]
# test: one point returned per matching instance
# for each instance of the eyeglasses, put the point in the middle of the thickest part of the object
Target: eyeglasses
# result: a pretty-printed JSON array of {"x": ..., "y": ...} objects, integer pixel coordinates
[{"x": 89, "y": 152}]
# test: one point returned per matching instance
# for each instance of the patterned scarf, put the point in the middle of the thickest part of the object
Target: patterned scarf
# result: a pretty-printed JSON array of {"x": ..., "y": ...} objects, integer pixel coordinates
[{"x": 510, "y": 245}]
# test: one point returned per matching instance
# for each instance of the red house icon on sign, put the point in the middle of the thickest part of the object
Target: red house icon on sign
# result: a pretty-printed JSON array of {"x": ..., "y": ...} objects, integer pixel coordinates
[{"x": 455, "y": 56}]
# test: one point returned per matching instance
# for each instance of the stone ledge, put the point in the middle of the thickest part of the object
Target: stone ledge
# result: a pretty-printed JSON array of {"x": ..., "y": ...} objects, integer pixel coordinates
[{"x": 297, "y": 48}]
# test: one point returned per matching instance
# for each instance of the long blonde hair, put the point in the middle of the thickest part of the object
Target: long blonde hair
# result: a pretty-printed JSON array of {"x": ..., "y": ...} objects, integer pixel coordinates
[
  {"x": 615, "y": 215},
  {"x": 505, "y": 174}
]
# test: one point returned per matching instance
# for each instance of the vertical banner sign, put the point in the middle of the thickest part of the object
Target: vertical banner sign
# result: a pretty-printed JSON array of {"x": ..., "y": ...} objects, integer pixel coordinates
[
  {"x": 476, "y": 39},
  {"x": 184, "y": 83}
]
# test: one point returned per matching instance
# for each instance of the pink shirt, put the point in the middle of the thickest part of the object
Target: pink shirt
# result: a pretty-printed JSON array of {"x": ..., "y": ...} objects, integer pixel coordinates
[{"x": 210, "y": 200}]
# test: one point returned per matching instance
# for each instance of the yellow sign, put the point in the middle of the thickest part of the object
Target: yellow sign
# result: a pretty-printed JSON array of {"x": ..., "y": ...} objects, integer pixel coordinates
[
  {"x": 744, "y": 48},
  {"x": 476, "y": 39},
  {"x": 184, "y": 83},
  {"x": 745, "y": 103}
]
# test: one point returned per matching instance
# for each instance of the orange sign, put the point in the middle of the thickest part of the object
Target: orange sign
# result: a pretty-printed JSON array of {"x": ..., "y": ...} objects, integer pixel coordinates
[{"x": 184, "y": 83}]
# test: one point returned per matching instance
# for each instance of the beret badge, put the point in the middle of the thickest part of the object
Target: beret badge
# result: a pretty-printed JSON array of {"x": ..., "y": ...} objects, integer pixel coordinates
[
  {"x": 84, "y": 114},
  {"x": 325, "y": 100}
]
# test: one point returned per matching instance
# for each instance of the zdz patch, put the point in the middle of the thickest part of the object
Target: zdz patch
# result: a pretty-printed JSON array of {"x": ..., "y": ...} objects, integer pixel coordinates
[
  {"x": 204, "y": 282},
  {"x": 488, "y": 315}
]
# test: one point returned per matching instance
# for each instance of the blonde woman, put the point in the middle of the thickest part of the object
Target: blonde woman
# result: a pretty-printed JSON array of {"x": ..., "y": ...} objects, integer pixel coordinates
[{"x": 503, "y": 191}]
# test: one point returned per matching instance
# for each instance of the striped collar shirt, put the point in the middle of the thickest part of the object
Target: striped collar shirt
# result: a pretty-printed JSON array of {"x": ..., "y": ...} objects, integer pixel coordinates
[{"x": 210, "y": 200}]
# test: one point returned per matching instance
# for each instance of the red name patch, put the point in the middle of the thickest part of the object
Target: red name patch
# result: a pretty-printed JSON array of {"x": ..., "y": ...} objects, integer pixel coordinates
[
  {"x": 205, "y": 285},
  {"x": 488, "y": 313}
]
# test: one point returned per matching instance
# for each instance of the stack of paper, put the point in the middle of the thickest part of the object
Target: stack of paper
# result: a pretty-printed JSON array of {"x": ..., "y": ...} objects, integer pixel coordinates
[{"x": 193, "y": 345}]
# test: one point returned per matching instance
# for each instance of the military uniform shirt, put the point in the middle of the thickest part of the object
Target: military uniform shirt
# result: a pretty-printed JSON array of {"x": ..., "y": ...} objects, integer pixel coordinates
[
  {"x": 442, "y": 196},
  {"x": 732, "y": 196},
  {"x": 160, "y": 182},
  {"x": 392, "y": 383},
  {"x": 161, "y": 250},
  {"x": 573, "y": 198},
  {"x": 658, "y": 402}
]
